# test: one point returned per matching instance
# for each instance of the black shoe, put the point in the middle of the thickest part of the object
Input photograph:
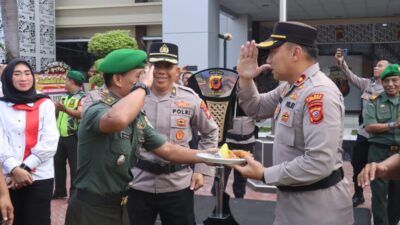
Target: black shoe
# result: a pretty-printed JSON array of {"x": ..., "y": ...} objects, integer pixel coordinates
[
  {"x": 358, "y": 200},
  {"x": 58, "y": 196}
]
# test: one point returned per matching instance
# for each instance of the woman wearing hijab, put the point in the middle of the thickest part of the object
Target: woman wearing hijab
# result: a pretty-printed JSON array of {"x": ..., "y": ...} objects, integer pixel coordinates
[{"x": 28, "y": 140}]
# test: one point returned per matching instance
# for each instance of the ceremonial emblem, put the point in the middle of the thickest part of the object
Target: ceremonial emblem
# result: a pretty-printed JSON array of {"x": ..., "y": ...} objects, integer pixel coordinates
[
  {"x": 179, "y": 135},
  {"x": 182, "y": 104},
  {"x": 181, "y": 122},
  {"x": 120, "y": 160},
  {"x": 285, "y": 117},
  {"x": 164, "y": 49},
  {"x": 293, "y": 96},
  {"x": 173, "y": 91},
  {"x": 316, "y": 114}
]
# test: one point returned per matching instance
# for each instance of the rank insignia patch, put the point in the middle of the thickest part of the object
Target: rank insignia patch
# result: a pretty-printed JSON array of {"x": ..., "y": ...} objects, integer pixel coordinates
[
  {"x": 285, "y": 117},
  {"x": 182, "y": 104},
  {"x": 181, "y": 122},
  {"x": 300, "y": 80},
  {"x": 293, "y": 96}
]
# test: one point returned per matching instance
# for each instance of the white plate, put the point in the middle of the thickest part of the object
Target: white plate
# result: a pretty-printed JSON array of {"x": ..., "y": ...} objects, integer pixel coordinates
[{"x": 211, "y": 158}]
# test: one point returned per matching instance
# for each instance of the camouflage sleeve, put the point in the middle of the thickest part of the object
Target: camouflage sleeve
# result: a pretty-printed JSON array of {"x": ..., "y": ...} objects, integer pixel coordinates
[{"x": 152, "y": 138}]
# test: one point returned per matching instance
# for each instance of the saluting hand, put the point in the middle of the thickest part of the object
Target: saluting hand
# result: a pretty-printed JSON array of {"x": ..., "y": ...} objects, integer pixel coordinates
[
  {"x": 247, "y": 66},
  {"x": 253, "y": 169},
  {"x": 197, "y": 181},
  {"x": 370, "y": 172},
  {"x": 147, "y": 76},
  {"x": 339, "y": 56}
]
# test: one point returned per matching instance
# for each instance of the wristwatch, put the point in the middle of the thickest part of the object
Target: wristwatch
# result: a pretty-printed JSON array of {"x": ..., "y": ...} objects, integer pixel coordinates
[
  {"x": 25, "y": 167},
  {"x": 392, "y": 125},
  {"x": 141, "y": 85}
]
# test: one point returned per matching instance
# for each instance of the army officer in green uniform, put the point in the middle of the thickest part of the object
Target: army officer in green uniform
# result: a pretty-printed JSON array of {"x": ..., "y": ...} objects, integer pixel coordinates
[
  {"x": 382, "y": 122},
  {"x": 110, "y": 133}
]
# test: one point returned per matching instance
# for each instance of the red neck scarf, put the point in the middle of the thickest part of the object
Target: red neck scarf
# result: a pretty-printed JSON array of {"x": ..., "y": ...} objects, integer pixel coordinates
[{"x": 32, "y": 124}]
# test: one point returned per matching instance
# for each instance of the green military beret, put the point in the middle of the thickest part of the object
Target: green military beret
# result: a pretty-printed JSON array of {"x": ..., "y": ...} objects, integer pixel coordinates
[
  {"x": 97, "y": 63},
  {"x": 122, "y": 60},
  {"x": 391, "y": 70},
  {"x": 76, "y": 75}
]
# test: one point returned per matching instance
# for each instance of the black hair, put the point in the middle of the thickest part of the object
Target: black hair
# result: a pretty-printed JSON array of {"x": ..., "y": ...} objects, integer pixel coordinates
[
  {"x": 312, "y": 52},
  {"x": 107, "y": 79}
]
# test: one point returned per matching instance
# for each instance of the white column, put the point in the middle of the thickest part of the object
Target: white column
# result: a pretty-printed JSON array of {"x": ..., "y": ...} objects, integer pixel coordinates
[
  {"x": 193, "y": 25},
  {"x": 239, "y": 28},
  {"x": 282, "y": 10}
]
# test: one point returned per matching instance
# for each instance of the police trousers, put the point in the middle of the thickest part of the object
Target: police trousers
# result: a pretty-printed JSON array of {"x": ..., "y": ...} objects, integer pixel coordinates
[
  {"x": 359, "y": 159},
  {"x": 174, "y": 208},
  {"x": 67, "y": 149},
  {"x": 385, "y": 193}
]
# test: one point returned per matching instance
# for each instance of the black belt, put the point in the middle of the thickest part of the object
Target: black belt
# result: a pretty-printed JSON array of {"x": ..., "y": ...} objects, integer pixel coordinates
[
  {"x": 102, "y": 200},
  {"x": 395, "y": 148},
  {"x": 238, "y": 137},
  {"x": 335, "y": 177},
  {"x": 159, "y": 168}
]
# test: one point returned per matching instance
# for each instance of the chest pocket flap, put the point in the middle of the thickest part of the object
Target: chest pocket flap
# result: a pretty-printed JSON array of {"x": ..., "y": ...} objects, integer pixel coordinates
[
  {"x": 122, "y": 141},
  {"x": 284, "y": 127},
  {"x": 384, "y": 113}
]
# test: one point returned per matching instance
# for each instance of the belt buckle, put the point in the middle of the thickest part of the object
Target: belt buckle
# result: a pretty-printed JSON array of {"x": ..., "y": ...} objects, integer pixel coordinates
[
  {"x": 394, "y": 148},
  {"x": 124, "y": 200}
]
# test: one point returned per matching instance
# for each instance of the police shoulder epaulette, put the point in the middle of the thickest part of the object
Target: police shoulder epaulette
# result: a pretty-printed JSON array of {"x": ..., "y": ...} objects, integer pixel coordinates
[
  {"x": 187, "y": 89},
  {"x": 108, "y": 100}
]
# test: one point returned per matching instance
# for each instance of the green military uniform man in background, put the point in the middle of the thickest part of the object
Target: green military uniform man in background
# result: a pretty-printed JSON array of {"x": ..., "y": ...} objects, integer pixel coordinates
[
  {"x": 382, "y": 122},
  {"x": 68, "y": 115},
  {"x": 110, "y": 133}
]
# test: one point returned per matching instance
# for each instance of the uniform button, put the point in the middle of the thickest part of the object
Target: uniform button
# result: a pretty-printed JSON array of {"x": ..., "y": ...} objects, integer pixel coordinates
[
  {"x": 19, "y": 121},
  {"x": 19, "y": 133},
  {"x": 19, "y": 146}
]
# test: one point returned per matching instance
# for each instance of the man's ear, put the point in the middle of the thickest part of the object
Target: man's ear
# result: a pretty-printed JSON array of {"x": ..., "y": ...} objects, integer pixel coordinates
[{"x": 117, "y": 80}]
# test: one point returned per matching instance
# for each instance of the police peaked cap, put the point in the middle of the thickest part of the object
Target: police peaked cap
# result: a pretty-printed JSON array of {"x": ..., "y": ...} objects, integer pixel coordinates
[
  {"x": 161, "y": 51},
  {"x": 294, "y": 32}
]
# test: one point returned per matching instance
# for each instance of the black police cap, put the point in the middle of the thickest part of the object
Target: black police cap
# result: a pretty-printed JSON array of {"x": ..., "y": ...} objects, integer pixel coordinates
[
  {"x": 294, "y": 32},
  {"x": 161, "y": 51}
]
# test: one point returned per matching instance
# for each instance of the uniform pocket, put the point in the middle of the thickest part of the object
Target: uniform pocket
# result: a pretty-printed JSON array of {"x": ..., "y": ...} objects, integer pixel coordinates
[
  {"x": 180, "y": 129},
  {"x": 284, "y": 127},
  {"x": 384, "y": 115}
]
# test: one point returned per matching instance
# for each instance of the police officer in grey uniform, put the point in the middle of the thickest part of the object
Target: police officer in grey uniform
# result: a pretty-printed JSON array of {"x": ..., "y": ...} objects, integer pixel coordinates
[
  {"x": 368, "y": 87},
  {"x": 159, "y": 186},
  {"x": 309, "y": 117}
]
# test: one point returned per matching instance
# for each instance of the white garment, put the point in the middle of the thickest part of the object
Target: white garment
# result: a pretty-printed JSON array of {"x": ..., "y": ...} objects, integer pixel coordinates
[
  {"x": 12, "y": 140},
  {"x": 1, "y": 90}
]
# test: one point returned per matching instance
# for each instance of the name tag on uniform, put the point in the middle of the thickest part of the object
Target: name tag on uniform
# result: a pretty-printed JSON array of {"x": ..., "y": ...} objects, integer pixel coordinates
[
  {"x": 290, "y": 104},
  {"x": 124, "y": 135}
]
